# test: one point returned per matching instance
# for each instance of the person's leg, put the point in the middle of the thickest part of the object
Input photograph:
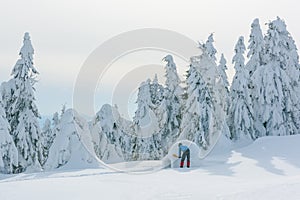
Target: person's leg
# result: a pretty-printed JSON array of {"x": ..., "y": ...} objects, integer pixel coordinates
[
  {"x": 183, "y": 158},
  {"x": 181, "y": 164},
  {"x": 188, "y": 159},
  {"x": 182, "y": 161}
]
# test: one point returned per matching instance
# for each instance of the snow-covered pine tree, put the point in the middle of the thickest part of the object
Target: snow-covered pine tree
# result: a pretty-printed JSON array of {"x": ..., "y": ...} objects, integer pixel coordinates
[
  {"x": 146, "y": 148},
  {"x": 209, "y": 47},
  {"x": 146, "y": 138},
  {"x": 169, "y": 113},
  {"x": 156, "y": 91},
  {"x": 256, "y": 55},
  {"x": 55, "y": 119},
  {"x": 47, "y": 138},
  {"x": 276, "y": 95},
  {"x": 208, "y": 67},
  {"x": 203, "y": 100},
  {"x": 63, "y": 110},
  {"x": 206, "y": 64},
  {"x": 8, "y": 150},
  {"x": 256, "y": 48},
  {"x": 55, "y": 125},
  {"x": 52, "y": 128},
  {"x": 222, "y": 71},
  {"x": 21, "y": 111},
  {"x": 284, "y": 51},
  {"x": 224, "y": 84},
  {"x": 198, "y": 113},
  {"x": 144, "y": 116},
  {"x": 111, "y": 135},
  {"x": 241, "y": 121}
]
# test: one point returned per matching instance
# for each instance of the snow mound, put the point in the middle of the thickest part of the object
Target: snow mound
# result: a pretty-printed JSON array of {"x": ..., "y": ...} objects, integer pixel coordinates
[
  {"x": 223, "y": 145},
  {"x": 272, "y": 148},
  {"x": 72, "y": 147}
]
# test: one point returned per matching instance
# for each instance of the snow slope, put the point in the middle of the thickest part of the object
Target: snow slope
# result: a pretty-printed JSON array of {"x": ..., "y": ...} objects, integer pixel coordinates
[{"x": 267, "y": 169}]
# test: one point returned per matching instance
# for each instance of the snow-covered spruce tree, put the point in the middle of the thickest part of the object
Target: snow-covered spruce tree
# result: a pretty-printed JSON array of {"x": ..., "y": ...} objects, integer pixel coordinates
[
  {"x": 276, "y": 99},
  {"x": 72, "y": 144},
  {"x": 144, "y": 114},
  {"x": 208, "y": 67},
  {"x": 21, "y": 111},
  {"x": 285, "y": 52},
  {"x": 47, "y": 138},
  {"x": 204, "y": 118},
  {"x": 256, "y": 55},
  {"x": 55, "y": 119},
  {"x": 162, "y": 139},
  {"x": 209, "y": 47},
  {"x": 49, "y": 132},
  {"x": 206, "y": 64},
  {"x": 241, "y": 122},
  {"x": 111, "y": 135},
  {"x": 63, "y": 110},
  {"x": 280, "y": 46},
  {"x": 146, "y": 142},
  {"x": 51, "y": 129},
  {"x": 156, "y": 91},
  {"x": 256, "y": 48},
  {"x": 55, "y": 125},
  {"x": 8, "y": 150},
  {"x": 169, "y": 112},
  {"x": 222, "y": 71},
  {"x": 198, "y": 113},
  {"x": 223, "y": 83}
]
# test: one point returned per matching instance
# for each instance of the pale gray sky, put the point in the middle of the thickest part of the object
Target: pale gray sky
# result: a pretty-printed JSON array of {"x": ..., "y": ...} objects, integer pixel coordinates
[{"x": 65, "y": 32}]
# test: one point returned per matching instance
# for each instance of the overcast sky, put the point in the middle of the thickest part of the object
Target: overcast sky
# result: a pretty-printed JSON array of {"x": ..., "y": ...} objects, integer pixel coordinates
[{"x": 65, "y": 32}]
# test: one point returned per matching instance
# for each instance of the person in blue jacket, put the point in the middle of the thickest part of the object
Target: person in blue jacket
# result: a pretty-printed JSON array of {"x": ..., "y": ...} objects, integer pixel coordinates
[{"x": 186, "y": 153}]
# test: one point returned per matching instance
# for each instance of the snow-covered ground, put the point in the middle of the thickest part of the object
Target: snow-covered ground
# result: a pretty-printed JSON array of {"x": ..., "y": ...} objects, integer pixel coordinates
[{"x": 267, "y": 169}]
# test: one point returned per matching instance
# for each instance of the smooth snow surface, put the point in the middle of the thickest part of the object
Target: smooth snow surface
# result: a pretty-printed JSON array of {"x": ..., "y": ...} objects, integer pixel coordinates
[{"x": 267, "y": 169}]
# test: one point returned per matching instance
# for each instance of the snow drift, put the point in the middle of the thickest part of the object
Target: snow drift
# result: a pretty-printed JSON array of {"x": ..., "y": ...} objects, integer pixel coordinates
[{"x": 267, "y": 169}]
